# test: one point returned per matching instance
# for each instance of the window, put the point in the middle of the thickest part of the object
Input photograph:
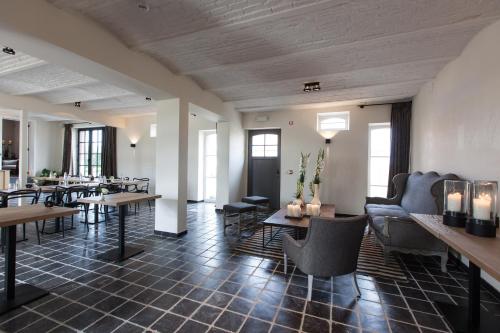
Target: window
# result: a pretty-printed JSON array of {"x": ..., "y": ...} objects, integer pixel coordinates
[
  {"x": 265, "y": 145},
  {"x": 210, "y": 166},
  {"x": 379, "y": 152},
  {"x": 89, "y": 151},
  {"x": 329, "y": 124}
]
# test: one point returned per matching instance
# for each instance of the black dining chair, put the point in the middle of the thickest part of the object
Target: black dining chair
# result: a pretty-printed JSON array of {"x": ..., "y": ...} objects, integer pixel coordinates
[
  {"x": 142, "y": 187},
  {"x": 14, "y": 198}
]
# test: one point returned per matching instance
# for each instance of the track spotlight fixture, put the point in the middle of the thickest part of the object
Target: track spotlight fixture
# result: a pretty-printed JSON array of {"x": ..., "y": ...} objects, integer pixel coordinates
[
  {"x": 311, "y": 86},
  {"x": 78, "y": 104},
  {"x": 148, "y": 99},
  {"x": 8, "y": 50}
]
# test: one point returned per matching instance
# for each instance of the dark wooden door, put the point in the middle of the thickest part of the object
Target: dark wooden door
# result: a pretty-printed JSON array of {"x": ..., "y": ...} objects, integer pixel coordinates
[{"x": 264, "y": 154}]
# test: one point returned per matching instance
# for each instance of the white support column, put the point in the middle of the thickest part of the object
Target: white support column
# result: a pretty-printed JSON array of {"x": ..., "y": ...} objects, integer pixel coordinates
[
  {"x": 171, "y": 166},
  {"x": 223, "y": 132},
  {"x": 23, "y": 148}
]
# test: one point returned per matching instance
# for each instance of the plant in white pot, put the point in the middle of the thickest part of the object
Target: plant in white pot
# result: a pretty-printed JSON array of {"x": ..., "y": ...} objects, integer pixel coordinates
[
  {"x": 299, "y": 192},
  {"x": 314, "y": 184}
]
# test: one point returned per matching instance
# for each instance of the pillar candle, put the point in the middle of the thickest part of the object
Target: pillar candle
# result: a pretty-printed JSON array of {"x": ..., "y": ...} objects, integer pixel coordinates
[
  {"x": 315, "y": 210},
  {"x": 289, "y": 210},
  {"x": 455, "y": 202},
  {"x": 481, "y": 207},
  {"x": 309, "y": 209}
]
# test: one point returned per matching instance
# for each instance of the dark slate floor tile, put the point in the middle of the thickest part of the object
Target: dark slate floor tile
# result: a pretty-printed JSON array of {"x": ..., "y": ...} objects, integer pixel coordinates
[
  {"x": 84, "y": 319},
  {"x": 207, "y": 314},
  {"x": 230, "y": 321},
  {"x": 105, "y": 324},
  {"x": 146, "y": 317},
  {"x": 168, "y": 323}
]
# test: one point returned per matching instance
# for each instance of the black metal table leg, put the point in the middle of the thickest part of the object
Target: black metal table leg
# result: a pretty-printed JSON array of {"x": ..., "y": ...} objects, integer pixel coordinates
[
  {"x": 471, "y": 318},
  {"x": 123, "y": 251},
  {"x": 13, "y": 297}
]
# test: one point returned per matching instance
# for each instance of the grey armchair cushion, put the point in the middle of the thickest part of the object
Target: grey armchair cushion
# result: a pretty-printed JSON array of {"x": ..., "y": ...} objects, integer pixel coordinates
[
  {"x": 331, "y": 247},
  {"x": 386, "y": 210},
  {"x": 420, "y": 194}
]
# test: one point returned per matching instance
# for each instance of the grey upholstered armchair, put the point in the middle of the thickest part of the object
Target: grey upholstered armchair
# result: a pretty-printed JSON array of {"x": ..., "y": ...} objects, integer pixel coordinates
[{"x": 331, "y": 248}]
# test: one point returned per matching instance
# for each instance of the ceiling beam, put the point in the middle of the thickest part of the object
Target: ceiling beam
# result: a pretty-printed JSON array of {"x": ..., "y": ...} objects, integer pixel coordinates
[
  {"x": 79, "y": 44},
  {"x": 37, "y": 106}
]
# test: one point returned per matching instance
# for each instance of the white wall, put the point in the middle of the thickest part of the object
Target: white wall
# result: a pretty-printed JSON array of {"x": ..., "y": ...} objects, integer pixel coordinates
[
  {"x": 456, "y": 117},
  {"x": 46, "y": 143},
  {"x": 346, "y": 172},
  {"x": 140, "y": 161},
  {"x": 195, "y": 186}
]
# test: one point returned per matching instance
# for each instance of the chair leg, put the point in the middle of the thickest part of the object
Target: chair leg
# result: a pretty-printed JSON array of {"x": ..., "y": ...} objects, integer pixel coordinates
[
  {"x": 62, "y": 221},
  {"x": 309, "y": 287},
  {"x": 24, "y": 231},
  {"x": 43, "y": 226},
  {"x": 149, "y": 203},
  {"x": 444, "y": 261},
  {"x": 285, "y": 263},
  {"x": 355, "y": 282},
  {"x": 37, "y": 232}
]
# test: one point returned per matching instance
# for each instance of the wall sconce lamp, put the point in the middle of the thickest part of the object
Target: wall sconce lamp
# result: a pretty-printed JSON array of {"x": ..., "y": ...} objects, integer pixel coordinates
[{"x": 132, "y": 145}]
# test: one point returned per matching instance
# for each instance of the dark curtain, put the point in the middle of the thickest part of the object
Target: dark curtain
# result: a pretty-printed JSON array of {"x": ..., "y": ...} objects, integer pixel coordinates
[
  {"x": 400, "y": 142},
  {"x": 66, "y": 158},
  {"x": 109, "y": 152}
]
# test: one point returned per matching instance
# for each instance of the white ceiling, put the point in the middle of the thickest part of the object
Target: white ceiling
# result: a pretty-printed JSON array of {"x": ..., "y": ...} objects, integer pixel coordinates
[
  {"x": 21, "y": 74},
  {"x": 258, "y": 53}
]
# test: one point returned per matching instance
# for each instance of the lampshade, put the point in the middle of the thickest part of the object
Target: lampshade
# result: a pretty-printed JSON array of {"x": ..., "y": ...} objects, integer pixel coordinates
[{"x": 328, "y": 134}]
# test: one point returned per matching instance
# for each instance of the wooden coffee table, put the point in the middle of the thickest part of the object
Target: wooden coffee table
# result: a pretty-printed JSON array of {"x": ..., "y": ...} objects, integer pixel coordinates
[{"x": 279, "y": 220}]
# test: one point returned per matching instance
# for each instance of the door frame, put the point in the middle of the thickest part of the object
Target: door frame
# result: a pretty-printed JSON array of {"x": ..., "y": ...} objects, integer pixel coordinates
[{"x": 251, "y": 133}]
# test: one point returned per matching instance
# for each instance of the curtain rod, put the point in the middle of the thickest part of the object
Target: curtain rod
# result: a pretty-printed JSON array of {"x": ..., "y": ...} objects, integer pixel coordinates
[{"x": 387, "y": 103}]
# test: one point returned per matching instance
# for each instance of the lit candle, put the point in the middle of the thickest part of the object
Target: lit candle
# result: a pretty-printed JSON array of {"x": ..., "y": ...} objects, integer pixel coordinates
[
  {"x": 289, "y": 210},
  {"x": 455, "y": 202},
  {"x": 298, "y": 211},
  {"x": 315, "y": 210},
  {"x": 309, "y": 209},
  {"x": 481, "y": 207}
]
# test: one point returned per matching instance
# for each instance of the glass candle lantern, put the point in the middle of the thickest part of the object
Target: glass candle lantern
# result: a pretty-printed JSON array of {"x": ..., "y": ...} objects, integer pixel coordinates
[
  {"x": 456, "y": 202},
  {"x": 484, "y": 209}
]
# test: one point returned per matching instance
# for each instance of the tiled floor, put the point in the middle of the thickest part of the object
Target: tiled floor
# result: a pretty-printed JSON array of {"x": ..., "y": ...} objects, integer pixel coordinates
[{"x": 197, "y": 284}]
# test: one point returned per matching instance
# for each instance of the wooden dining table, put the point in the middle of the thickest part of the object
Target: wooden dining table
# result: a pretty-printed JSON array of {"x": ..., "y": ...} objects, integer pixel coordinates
[
  {"x": 483, "y": 254},
  {"x": 121, "y": 201},
  {"x": 14, "y": 296}
]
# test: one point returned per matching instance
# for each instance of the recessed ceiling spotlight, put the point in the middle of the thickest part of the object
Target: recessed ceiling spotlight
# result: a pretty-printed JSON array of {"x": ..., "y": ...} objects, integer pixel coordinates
[
  {"x": 143, "y": 6},
  {"x": 311, "y": 86},
  {"x": 78, "y": 104},
  {"x": 8, "y": 50},
  {"x": 193, "y": 115}
]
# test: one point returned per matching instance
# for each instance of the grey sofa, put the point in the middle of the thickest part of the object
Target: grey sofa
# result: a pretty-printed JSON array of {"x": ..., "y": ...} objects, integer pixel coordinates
[
  {"x": 390, "y": 221},
  {"x": 331, "y": 248}
]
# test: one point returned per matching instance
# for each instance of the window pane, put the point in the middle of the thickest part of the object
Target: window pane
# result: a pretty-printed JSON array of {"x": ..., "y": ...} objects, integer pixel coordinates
[
  {"x": 258, "y": 151},
  {"x": 379, "y": 170},
  {"x": 210, "y": 188},
  {"x": 378, "y": 191},
  {"x": 271, "y": 139},
  {"x": 258, "y": 139},
  {"x": 211, "y": 166},
  {"x": 271, "y": 151},
  {"x": 380, "y": 141},
  {"x": 211, "y": 144}
]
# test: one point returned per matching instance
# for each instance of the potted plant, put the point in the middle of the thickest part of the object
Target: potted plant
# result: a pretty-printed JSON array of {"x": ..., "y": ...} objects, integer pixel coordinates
[
  {"x": 299, "y": 192},
  {"x": 314, "y": 184}
]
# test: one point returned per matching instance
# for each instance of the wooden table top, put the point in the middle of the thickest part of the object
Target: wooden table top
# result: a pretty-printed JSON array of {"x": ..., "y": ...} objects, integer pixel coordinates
[
  {"x": 482, "y": 251},
  {"x": 23, "y": 214},
  {"x": 119, "y": 199},
  {"x": 279, "y": 218}
]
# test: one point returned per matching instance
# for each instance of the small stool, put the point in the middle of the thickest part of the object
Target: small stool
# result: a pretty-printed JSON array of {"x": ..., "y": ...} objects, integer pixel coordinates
[
  {"x": 257, "y": 200},
  {"x": 236, "y": 209}
]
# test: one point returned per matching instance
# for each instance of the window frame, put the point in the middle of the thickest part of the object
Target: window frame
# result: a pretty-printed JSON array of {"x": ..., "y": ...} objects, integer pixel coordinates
[
  {"x": 205, "y": 155},
  {"x": 277, "y": 145},
  {"x": 372, "y": 126},
  {"x": 345, "y": 115},
  {"x": 89, "y": 151}
]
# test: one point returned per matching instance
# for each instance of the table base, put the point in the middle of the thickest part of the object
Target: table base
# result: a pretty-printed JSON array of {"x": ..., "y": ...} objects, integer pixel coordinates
[
  {"x": 24, "y": 293},
  {"x": 114, "y": 254},
  {"x": 457, "y": 318}
]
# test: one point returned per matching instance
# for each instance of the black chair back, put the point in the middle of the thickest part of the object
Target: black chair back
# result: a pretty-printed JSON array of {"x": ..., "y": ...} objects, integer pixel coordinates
[
  {"x": 30, "y": 196},
  {"x": 73, "y": 193},
  {"x": 144, "y": 186}
]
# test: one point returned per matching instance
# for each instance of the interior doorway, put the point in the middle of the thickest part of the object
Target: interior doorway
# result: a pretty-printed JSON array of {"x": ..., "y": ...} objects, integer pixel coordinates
[{"x": 264, "y": 164}]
